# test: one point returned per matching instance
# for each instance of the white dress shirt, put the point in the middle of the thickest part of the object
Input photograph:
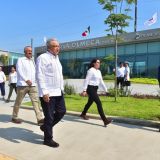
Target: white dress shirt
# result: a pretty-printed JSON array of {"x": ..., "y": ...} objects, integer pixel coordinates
[
  {"x": 94, "y": 78},
  {"x": 2, "y": 77},
  {"x": 25, "y": 71},
  {"x": 13, "y": 77},
  {"x": 49, "y": 75},
  {"x": 127, "y": 73},
  {"x": 120, "y": 71}
]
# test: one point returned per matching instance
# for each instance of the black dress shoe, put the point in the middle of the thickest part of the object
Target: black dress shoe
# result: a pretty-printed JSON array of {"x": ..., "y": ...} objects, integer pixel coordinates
[
  {"x": 84, "y": 117},
  {"x": 42, "y": 128},
  {"x": 51, "y": 143},
  {"x": 107, "y": 121}
]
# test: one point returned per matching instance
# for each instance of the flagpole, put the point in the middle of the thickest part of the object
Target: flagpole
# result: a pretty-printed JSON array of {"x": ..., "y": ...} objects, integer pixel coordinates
[
  {"x": 32, "y": 46},
  {"x": 135, "y": 18}
]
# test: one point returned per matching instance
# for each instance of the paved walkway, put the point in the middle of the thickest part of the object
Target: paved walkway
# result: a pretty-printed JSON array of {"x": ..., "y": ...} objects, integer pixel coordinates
[
  {"x": 135, "y": 88},
  {"x": 79, "y": 139}
]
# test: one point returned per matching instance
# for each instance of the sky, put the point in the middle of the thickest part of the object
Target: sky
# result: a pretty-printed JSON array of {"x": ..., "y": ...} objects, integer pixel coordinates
[{"x": 65, "y": 20}]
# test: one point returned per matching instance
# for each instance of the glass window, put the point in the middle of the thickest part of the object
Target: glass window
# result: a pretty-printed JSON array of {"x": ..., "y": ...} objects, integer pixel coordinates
[
  {"x": 15, "y": 60},
  {"x": 80, "y": 54},
  {"x": 153, "y": 47},
  {"x": 65, "y": 55},
  {"x": 130, "y": 49},
  {"x": 140, "y": 69},
  {"x": 120, "y": 50},
  {"x": 61, "y": 55},
  {"x": 86, "y": 53},
  {"x": 153, "y": 63},
  {"x": 141, "y": 48},
  {"x": 72, "y": 54},
  {"x": 110, "y": 50},
  {"x": 101, "y": 52},
  {"x": 93, "y": 53}
]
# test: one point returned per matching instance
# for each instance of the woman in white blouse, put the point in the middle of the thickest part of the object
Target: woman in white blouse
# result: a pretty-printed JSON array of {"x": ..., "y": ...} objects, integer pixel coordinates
[
  {"x": 91, "y": 84},
  {"x": 12, "y": 82},
  {"x": 127, "y": 82}
]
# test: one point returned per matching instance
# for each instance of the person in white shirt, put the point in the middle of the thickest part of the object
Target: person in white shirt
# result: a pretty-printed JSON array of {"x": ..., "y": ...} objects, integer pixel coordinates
[
  {"x": 127, "y": 82},
  {"x": 120, "y": 75},
  {"x": 50, "y": 86},
  {"x": 2, "y": 82},
  {"x": 26, "y": 84},
  {"x": 91, "y": 84},
  {"x": 12, "y": 80}
]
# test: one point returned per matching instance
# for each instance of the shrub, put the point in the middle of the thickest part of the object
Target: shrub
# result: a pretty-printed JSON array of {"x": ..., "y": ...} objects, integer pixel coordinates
[
  {"x": 109, "y": 77},
  {"x": 68, "y": 89},
  {"x": 120, "y": 92}
]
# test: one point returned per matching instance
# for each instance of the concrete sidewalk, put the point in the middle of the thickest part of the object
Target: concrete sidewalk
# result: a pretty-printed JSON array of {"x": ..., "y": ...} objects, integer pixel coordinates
[
  {"x": 134, "y": 88},
  {"x": 139, "y": 122},
  {"x": 79, "y": 139}
]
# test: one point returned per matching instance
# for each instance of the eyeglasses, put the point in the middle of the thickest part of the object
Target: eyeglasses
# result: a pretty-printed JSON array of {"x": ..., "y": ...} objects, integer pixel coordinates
[
  {"x": 54, "y": 46},
  {"x": 98, "y": 62}
]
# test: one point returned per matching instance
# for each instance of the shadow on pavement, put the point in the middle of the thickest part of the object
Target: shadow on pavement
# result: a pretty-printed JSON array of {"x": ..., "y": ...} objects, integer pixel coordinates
[
  {"x": 5, "y": 118},
  {"x": 135, "y": 127},
  {"x": 17, "y": 135},
  {"x": 80, "y": 120}
]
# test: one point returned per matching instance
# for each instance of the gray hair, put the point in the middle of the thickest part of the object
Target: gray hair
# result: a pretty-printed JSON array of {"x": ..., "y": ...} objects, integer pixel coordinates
[
  {"x": 26, "y": 48},
  {"x": 48, "y": 43}
]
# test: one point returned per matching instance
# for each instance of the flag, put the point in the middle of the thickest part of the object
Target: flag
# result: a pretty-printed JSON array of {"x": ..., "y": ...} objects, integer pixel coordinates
[
  {"x": 151, "y": 21},
  {"x": 44, "y": 40},
  {"x": 86, "y": 32}
]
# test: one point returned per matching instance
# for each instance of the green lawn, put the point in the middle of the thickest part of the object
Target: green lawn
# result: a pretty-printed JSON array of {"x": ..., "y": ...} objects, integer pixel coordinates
[
  {"x": 152, "y": 81},
  {"x": 124, "y": 107}
]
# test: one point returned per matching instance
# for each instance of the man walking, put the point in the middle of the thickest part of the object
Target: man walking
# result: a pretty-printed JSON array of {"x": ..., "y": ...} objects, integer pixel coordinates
[
  {"x": 2, "y": 82},
  {"x": 50, "y": 85},
  {"x": 26, "y": 83}
]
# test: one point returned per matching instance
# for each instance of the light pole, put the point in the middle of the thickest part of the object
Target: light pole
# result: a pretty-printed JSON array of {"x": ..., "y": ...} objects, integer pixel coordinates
[{"x": 116, "y": 52}]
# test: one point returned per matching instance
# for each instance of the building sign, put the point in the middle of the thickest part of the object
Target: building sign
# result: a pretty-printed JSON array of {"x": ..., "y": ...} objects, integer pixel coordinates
[
  {"x": 105, "y": 41},
  {"x": 86, "y": 43},
  {"x": 146, "y": 35}
]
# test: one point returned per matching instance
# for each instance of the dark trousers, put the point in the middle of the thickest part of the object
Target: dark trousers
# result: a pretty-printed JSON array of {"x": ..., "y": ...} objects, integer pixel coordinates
[
  {"x": 53, "y": 111},
  {"x": 2, "y": 87},
  {"x": 11, "y": 87},
  {"x": 93, "y": 97},
  {"x": 120, "y": 80},
  {"x": 159, "y": 82}
]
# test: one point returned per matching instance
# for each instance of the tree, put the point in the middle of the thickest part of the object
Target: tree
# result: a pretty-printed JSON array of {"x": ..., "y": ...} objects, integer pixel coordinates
[
  {"x": 106, "y": 63},
  {"x": 118, "y": 17},
  {"x": 74, "y": 68},
  {"x": 4, "y": 59},
  {"x": 116, "y": 21}
]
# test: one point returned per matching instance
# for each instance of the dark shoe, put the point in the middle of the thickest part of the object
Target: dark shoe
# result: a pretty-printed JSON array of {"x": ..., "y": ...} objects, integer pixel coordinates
[
  {"x": 42, "y": 128},
  {"x": 84, "y": 117},
  {"x": 41, "y": 122},
  {"x": 107, "y": 121},
  {"x": 18, "y": 121},
  {"x": 7, "y": 101},
  {"x": 51, "y": 143}
]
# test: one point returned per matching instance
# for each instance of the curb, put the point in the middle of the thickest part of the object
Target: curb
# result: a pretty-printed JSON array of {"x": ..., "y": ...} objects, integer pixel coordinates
[{"x": 138, "y": 122}]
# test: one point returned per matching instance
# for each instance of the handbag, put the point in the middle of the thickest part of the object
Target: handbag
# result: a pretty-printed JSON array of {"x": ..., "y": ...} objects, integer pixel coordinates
[{"x": 127, "y": 83}]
